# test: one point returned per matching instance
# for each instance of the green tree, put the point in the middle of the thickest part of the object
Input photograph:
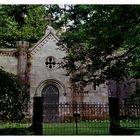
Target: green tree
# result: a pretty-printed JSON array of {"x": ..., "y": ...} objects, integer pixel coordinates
[
  {"x": 103, "y": 40},
  {"x": 13, "y": 98},
  {"x": 26, "y": 22},
  {"x": 21, "y": 22},
  {"x": 57, "y": 13}
]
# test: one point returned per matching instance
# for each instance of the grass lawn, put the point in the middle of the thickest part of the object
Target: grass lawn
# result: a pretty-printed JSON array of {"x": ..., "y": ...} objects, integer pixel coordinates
[
  {"x": 15, "y": 129},
  {"x": 14, "y": 125},
  {"x": 83, "y": 128}
]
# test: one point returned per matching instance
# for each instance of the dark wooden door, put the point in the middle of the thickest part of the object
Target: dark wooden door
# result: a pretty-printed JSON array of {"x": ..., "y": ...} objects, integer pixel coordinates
[{"x": 50, "y": 103}]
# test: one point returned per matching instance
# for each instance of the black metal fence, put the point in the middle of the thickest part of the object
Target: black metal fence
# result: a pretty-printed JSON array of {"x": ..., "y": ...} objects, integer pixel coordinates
[
  {"x": 130, "y": 114},
  {"x": 72, "y": 119},
  {"x": 87, "y": 118},
  {"x": 76, "y": 118}
]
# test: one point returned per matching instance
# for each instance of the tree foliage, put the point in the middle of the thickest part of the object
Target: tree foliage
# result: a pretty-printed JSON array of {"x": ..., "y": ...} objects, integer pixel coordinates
[
  {"x": 26, "y": 22},
  {"x": 13, "y": 98},
  {"x": 102, "y": 41},
  {"x": 57, "y": 13},
  {"x": 21, "y": 22}
]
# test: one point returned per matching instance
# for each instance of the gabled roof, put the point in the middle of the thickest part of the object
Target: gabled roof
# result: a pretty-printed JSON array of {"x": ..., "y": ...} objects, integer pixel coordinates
[{"x": 43, "y": 40}]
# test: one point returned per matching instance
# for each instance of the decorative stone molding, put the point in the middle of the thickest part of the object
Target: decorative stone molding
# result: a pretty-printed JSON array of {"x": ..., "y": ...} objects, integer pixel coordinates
[
  {"x": 54, "y": 82},
  {"x": 7, "y": 52},
  {"x": 50, "y": 29},
  {"x": 22, "y": 44},
  {"x": 49, "y": 35}
]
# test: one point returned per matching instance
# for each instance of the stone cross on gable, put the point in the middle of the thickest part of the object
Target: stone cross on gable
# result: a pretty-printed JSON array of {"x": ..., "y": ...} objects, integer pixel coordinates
[{"x": 50, "y": 19}]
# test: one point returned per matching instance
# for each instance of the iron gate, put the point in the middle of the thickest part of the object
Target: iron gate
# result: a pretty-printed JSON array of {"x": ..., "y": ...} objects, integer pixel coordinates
[
  {"x": 78, "y": 119},
  {"x": 86, "y": 119}
]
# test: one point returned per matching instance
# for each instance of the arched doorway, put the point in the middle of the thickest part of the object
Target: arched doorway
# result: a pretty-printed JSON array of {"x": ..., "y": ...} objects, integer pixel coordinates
[{"x": 50, "y": 94}]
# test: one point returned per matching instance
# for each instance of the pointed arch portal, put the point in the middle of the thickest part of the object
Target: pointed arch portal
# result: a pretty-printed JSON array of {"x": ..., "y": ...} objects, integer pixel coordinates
[
  {"x": 50, "y": 94},
  {"x": 50, "y": 90}
]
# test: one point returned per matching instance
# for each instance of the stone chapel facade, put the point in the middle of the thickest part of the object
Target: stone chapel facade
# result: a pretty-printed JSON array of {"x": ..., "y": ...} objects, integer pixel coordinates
[{"x": 40, "y": 68}]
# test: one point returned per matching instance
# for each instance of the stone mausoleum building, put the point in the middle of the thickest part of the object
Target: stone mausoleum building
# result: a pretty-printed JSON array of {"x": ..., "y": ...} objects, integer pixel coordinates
[{"x": 39, "y": 67}]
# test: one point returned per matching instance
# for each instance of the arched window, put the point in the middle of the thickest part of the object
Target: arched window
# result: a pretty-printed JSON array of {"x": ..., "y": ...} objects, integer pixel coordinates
[{"x": 50, "y": 89}]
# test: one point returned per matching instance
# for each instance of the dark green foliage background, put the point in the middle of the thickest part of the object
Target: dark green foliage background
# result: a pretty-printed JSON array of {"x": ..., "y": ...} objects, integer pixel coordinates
[
  {"x": 96, "y": 35},
  {"x": 26, "y": 23},
  {"x": 13, "y": 98}
]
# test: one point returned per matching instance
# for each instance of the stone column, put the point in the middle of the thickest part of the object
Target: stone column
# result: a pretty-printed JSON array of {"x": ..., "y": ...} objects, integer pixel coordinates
[{"x": 22, "y": 67}]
